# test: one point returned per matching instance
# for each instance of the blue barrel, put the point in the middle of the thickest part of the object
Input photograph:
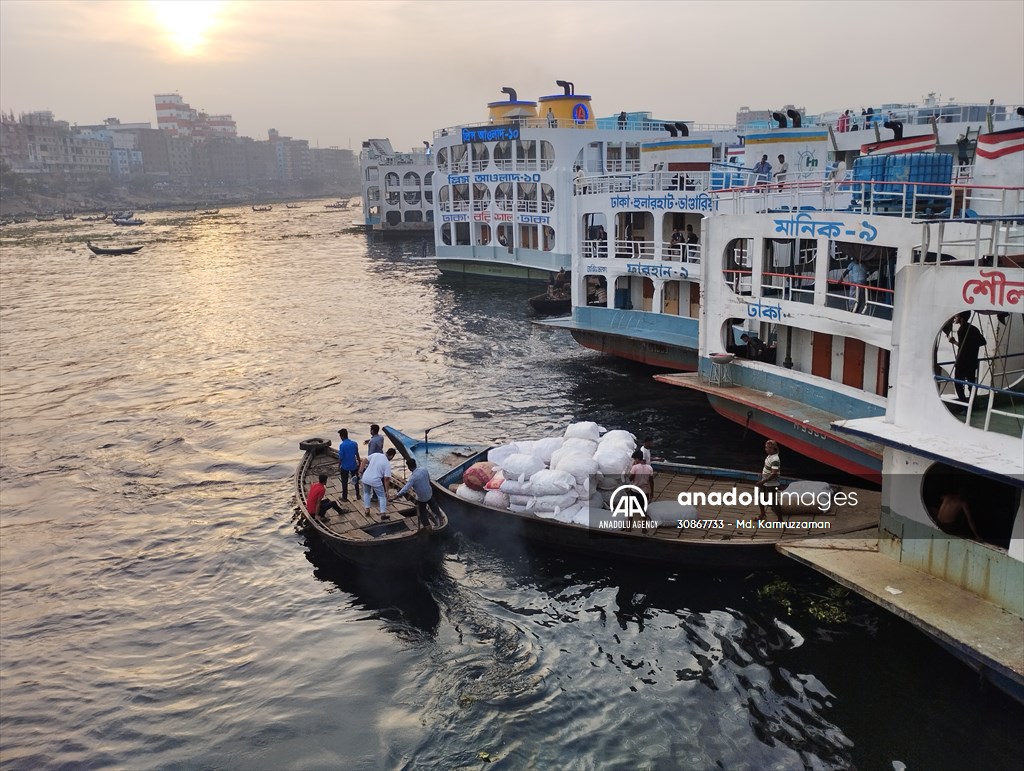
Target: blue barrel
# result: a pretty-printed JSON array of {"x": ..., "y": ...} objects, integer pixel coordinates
[{"x": 908, "y": 168}]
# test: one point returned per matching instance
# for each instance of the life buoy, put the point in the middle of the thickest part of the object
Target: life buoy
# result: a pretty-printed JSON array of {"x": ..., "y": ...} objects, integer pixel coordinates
[{"x": 314, "y": 445}]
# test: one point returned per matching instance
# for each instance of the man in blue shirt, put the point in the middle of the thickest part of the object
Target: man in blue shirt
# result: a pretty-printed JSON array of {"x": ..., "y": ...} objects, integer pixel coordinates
[
  {"x": 348, "y": 462},
  {"x": 763, "y": 170},
  {"x": 419, "y": 483}
]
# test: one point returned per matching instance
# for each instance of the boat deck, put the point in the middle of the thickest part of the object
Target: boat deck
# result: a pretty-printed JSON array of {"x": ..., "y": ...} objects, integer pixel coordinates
[
  {"x": 739, "y": 523},
  {"x": 796, "y": 412},
  {"x": 977, "y": 629},
  {"x": 358, "y": 523}
]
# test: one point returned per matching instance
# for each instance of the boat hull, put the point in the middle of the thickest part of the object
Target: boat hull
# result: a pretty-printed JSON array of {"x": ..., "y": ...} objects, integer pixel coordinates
[
  {"x": 643, "y": 351},
  {"x": 548, "y": 306},
  {"x": 828, "y": 447},
  {"x": 493, "y": 270}
]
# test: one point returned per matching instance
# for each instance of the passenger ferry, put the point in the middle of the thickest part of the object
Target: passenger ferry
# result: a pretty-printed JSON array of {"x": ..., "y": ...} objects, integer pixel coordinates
[
  {"x": 397, "y": 188},
  {"x": 808, "y": 275},
  {"x": 505, "y": 186},
  {"x": 950, "y": 549}
]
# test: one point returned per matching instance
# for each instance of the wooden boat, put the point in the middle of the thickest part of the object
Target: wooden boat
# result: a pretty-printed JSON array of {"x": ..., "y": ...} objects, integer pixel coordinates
[
  {"x": 128, "y": 222},
  {"x": 338, "y": 205},
  {"x": 262, "y": 208},
  {"x": 359, "y": 535},
  {"x": 209, "y": 212},
  {"x": 722, "y": 536},
  {"x": 549, "y": 304},
  {"x": 112, "y": 251},
  {"x": 292, "y": 206}
]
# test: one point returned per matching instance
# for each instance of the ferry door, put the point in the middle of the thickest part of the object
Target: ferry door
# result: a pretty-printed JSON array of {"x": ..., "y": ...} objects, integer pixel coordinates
[
  {"x": 671, "y": 298},
  {"x": 882, "y": 373},
  {"x": 648, "y": 295},
  {"x": 694, "y": 300},
  {"x": 821, "y": 355},
  {"x": 853, "y": 363}
]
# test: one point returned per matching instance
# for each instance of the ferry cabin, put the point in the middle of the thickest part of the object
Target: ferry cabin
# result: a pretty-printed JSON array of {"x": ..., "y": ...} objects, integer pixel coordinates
[{"x": 505, "y": 187}]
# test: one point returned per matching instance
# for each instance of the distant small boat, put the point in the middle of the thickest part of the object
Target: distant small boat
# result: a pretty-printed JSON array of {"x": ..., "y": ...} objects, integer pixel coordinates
[
  {"x": 292, "y": 206},
  {"x": 548, "y": 304},
  {"x": 69, "y": 217},
  {"x": 210, "y": 211},
  {"x": 45, "y": 219},
  {"x": 126, "y": 222},
  {"x": 100, "y": 218},
  {"x": 113, "y": 250},
  {"x": 262, "y": 208},
  {"x": 338, "y": 205}
]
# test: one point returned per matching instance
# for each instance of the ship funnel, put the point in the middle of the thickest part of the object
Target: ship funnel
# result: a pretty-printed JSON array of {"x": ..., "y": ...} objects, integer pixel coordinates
[
  {"x": 795, "y": 117},
  {"x": 780, "y": 118},
  {"x": 684, "y": 130},
  {"x": 670, "y": 129},
  {"x": 511, "y": 93},
  {"x": 567, "y": 86}
]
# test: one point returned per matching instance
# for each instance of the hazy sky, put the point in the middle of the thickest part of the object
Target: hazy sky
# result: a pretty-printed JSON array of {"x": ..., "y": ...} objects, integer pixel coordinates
[{"x": 338, "y": 72}]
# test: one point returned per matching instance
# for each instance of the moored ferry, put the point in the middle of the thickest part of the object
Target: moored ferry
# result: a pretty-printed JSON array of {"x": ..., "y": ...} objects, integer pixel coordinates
[
  {"x": 811, "y": 283},
  {"x": 950, "y": 549},
  {"x": 505, "y": 186},
  {"x": 397, "y": 188}
]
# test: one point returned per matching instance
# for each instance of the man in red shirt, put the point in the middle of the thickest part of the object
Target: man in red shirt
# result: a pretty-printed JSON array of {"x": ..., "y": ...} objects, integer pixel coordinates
[{"x": 316, "y": 504}]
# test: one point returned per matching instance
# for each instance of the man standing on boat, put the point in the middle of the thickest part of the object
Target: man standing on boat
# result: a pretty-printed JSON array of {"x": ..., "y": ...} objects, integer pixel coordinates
[
  {"x": 426, "y": 507},
  {"x": 780, "y": 175},
  {"x": 376, "y": 442},
  {"x": 768, "y": 484},
  {"x": 348, "y": 462},
  {"x": 376, "y": 477}
]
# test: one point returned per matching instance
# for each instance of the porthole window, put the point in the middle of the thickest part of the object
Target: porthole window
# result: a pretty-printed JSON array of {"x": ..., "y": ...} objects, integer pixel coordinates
[{"x": 966, "y": 505}]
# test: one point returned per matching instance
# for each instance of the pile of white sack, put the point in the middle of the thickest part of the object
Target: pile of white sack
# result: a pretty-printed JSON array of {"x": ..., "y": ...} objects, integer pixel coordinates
[{"x": 551, "y": 478}]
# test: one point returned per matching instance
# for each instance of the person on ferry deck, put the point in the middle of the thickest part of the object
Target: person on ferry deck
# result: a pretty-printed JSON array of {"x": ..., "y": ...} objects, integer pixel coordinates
[
  {"x": 763, "y": 170},
  {"x": 641, "y": 474},
  {"x": 969, "y": 341},
  {"x": 754, "y": 346},
  {"x": 780, "y": 175},
  {"x": 622, "y": 120},
  {"x": 954, "y": 516},
  {"x": 551, "y": 118}
]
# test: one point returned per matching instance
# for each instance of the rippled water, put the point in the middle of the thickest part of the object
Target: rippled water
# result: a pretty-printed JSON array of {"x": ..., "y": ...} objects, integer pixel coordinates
[{"x": 158, "y": 608}]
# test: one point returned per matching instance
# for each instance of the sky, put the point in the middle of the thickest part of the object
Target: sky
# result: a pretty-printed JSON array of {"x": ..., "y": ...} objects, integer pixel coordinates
[{"x": 342, "y": 71}]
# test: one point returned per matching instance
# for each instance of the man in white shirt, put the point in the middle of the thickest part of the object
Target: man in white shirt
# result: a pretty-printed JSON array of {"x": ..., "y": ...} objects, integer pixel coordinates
[{"x": 376, "y": 476}]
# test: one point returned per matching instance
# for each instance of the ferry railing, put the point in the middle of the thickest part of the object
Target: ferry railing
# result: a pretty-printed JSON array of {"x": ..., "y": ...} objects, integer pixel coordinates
[
  {"x": 994, "y": 236},
  {"x": 643, "y": 250},
  {"x": 739, "y": 280},
  {"x": 595, "y": 249},
  {"x": 865, "y": 299},
  {"x": 1011, "y": 394}
]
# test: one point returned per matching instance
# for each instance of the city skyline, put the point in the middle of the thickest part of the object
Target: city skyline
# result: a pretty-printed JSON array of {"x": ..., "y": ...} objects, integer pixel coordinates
[{"x": 337, "y": 73}]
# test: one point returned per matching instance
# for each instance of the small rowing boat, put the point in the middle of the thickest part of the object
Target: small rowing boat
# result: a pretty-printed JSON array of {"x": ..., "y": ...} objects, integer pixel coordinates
[
  {"x": 357, "y": 534},
  {"x": 262, "y": 208},
  {"x": 112, "y": 250}
]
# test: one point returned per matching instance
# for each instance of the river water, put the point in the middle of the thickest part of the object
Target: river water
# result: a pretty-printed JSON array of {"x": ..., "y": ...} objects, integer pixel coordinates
[{"x": 158, "y": 608}]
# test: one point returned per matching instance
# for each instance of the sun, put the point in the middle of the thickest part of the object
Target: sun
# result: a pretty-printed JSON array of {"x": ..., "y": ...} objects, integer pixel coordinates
[{"x": 186, "y": 22}]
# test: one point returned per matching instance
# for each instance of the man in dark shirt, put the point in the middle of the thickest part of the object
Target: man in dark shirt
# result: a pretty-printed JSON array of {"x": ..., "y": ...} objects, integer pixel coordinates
[{"x": 968, "y": 343}]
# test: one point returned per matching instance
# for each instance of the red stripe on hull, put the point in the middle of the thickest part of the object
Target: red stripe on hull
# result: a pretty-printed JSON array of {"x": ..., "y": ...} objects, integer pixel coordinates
[{"x": 804, "y": 447}]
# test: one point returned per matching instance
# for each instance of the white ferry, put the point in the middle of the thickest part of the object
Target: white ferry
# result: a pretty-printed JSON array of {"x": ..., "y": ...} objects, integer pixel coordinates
[
  {"x": 397, "y": 188},
  {"x": 949, "y": 554},
  {"x": 505, "y": 186}
]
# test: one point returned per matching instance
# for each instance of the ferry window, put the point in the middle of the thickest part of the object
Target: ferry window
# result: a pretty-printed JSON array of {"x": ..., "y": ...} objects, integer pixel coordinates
[
  {"x": 372, "y": 174},
  {"x": 411, "y": 179},
  {"x": 503, "y": 155},
  {"x": 505, "y": 236},
  {"x": 547, "y": 197},
  {"x": 481, "y": 197},
  {"x": 547, "y": 155},
  {"x": 737, "y": 266},
  {"x": 597, "y": 291},
  {"x": 373, "y": 194},
  {"x": 861, "y": 278},
  {"x": 978, "y": 362},
  {"x": 549, "y": 238},
  {"x": 393, "y": 217},
  {"x": 460, "y": 159},
  {"x": 390, "y": 180},
  {"x": 460, "y": 197},
  {"x": 444, "y": 196},
  {"x": 526, "y": 192},
  {"x": 393, "y": 197},
  {"x": 442, "y": 159},
  {"x": 446, "y": 233},
  {"x": 430, "y": 215},
  {"x": 483, "y": 233},
  {"x": 428, "y": 189},
  {"x": 968, "y": 505},
  {"x": 412, "y": 197},
  {"x": 414, "y": 215},
  {"x": 503, "y": 196},
  {"x": 462, "y": 233},
  {"x": 481, "y": 156}
]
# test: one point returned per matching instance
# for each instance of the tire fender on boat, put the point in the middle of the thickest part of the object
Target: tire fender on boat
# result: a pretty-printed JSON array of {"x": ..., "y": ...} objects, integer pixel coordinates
[{"x": 314, "y": 445}]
